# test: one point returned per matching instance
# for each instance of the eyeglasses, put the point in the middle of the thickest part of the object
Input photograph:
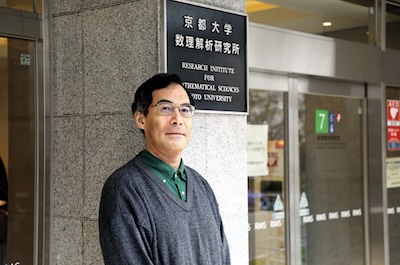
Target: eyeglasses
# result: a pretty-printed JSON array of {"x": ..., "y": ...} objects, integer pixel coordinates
[{"x": 167, "y": 108}]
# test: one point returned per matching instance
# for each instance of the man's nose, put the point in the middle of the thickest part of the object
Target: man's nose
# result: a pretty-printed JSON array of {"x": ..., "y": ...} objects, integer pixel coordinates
[{"x": 176, "y": 117}]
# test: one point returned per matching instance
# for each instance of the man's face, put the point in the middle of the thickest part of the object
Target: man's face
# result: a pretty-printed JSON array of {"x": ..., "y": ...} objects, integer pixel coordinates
[{"x": 166, "y": 135}]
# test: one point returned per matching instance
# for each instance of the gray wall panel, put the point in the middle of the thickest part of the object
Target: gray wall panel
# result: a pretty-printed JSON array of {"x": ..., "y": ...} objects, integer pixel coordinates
[{"x": 294, "y": 52}]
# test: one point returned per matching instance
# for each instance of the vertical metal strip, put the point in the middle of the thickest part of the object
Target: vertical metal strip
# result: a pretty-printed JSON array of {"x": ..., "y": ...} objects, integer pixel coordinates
[
  {"x": 382, "y": 24},
  {"x": 367, "y": 240},
  {"x": 37, "y": 155},
  {"x": 293, "y": 235},
  {"x": 41, "y": 160},
  {"x": 47, "y": 93},
  {"x": 384, "y": 185},
  {"x": 378, "y": 220}
]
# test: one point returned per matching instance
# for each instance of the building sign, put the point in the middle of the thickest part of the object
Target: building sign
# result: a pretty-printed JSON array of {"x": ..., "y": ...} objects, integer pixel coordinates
[
  {"x": 331, "y": 141},
  {"x": 207, "y": 49},
  {"x": 325, "y": 121},
  {"x": 393, "y": 124}
]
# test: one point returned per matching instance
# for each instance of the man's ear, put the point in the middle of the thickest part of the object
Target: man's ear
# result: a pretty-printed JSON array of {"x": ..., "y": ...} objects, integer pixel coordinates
[{"x": 140, "y": 119}]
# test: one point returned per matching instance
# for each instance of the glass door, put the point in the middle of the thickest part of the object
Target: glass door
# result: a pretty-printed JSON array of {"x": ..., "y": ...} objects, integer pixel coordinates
[
  {"x": 331, "y": 162},
  {"x": 266, "y": 129},
  {"x": 17, "y": 151},
  {"x": 306, "y": 179}
]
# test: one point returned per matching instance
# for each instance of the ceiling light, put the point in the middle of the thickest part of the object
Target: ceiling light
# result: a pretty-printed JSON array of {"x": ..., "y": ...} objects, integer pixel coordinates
[{"x": 327, "y": 24}]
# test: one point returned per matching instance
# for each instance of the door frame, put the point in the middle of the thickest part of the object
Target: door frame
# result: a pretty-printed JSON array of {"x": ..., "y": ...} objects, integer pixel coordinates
[{"x": 29, "y": 26}]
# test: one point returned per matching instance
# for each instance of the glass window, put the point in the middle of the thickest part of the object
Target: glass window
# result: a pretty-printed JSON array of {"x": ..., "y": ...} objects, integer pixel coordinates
[
  {"x": 346, "y": 20},
  {"x": 392, "y": 171},
  {"x": 17, "y": 149},
  {"x": 331, "y": 179},
  {"x": 266, "y": 178},
  {"x": 25, "y": 5},
  {"x": 393, "y": 26},
  {"x": 39, "y": 7}
]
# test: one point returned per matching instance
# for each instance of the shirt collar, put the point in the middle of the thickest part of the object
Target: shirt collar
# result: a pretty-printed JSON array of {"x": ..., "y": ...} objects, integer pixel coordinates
[{"x": 161, "y": 168}]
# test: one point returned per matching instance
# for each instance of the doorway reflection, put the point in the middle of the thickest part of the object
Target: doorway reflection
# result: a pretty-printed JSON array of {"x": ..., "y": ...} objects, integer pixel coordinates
[
  {"x": 266, "y": 179},
  {"x": 17, "y": 148},
  {"x": 331, "y": 179}
]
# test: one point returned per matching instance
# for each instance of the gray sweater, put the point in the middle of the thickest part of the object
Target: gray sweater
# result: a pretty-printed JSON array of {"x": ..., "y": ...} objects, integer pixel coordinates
[{"x": 142, "y": 222}]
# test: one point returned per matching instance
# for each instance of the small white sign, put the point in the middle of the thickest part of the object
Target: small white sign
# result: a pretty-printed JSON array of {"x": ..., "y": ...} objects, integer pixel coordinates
[
  {"x": 392, "y": 172},
  {"x": 25, "y": 59},
  {"x": 257, "y": 150}
]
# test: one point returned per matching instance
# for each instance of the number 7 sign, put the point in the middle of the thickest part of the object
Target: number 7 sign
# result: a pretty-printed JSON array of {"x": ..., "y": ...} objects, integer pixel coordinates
[{"x": 321, "y": 121}]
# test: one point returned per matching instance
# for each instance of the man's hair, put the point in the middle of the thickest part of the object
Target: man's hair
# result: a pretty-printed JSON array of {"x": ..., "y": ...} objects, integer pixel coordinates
[{"x": 143, "y": 95}]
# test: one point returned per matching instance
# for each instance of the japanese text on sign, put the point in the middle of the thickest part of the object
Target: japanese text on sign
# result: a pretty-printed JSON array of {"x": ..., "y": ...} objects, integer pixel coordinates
[{"x": 206, "y": 44}]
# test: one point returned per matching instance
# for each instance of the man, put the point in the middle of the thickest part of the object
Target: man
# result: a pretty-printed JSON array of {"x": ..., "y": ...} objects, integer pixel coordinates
[{"x": 154, "y": 209}]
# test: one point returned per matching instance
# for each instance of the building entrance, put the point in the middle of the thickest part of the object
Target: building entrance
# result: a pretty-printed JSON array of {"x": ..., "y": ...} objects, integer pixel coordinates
[{"x": 306, "y": 149}]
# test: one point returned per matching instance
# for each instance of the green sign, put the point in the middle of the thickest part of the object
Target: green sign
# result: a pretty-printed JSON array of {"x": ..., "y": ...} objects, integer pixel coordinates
[{"x": 321, "y": 121}]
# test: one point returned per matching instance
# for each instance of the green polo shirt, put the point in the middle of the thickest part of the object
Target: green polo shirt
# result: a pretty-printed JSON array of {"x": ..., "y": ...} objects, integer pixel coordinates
[{"x": 175, "y": 180}]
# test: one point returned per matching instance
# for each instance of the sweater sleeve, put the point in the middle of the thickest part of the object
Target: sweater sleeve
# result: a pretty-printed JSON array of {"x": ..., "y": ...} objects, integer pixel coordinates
[{"x": 123, "y": 238}]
